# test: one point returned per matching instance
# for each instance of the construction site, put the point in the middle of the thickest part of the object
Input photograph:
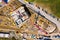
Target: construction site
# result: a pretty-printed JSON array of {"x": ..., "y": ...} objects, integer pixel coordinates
[{"x": 22, "y": 20}]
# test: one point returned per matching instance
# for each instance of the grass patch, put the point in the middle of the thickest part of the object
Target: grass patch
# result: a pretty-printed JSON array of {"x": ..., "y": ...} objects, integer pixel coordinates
[
  {"x": 53, "y": 4},
  {"x": 30, "y": 0}
]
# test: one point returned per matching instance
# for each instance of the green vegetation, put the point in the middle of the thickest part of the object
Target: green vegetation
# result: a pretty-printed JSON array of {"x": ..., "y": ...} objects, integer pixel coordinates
[
  {"x": 7, "y": 38},
  {"x": 53, "y": 4}
]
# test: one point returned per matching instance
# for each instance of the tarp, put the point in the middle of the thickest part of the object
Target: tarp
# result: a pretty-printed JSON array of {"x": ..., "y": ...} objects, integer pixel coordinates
[{"x": 6, "y": 1}]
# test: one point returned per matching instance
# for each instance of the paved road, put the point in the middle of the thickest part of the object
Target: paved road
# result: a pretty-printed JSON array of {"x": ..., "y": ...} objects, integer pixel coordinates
[{"x": 40, "y": 12}]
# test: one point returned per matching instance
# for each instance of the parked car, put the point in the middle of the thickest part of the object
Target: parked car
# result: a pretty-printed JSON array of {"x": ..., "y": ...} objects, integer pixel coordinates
[{"x": 56, "y": 36}]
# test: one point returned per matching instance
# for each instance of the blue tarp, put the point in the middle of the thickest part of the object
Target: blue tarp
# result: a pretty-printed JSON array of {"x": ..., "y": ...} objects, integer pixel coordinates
[{"x": 6, "y": 1}]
